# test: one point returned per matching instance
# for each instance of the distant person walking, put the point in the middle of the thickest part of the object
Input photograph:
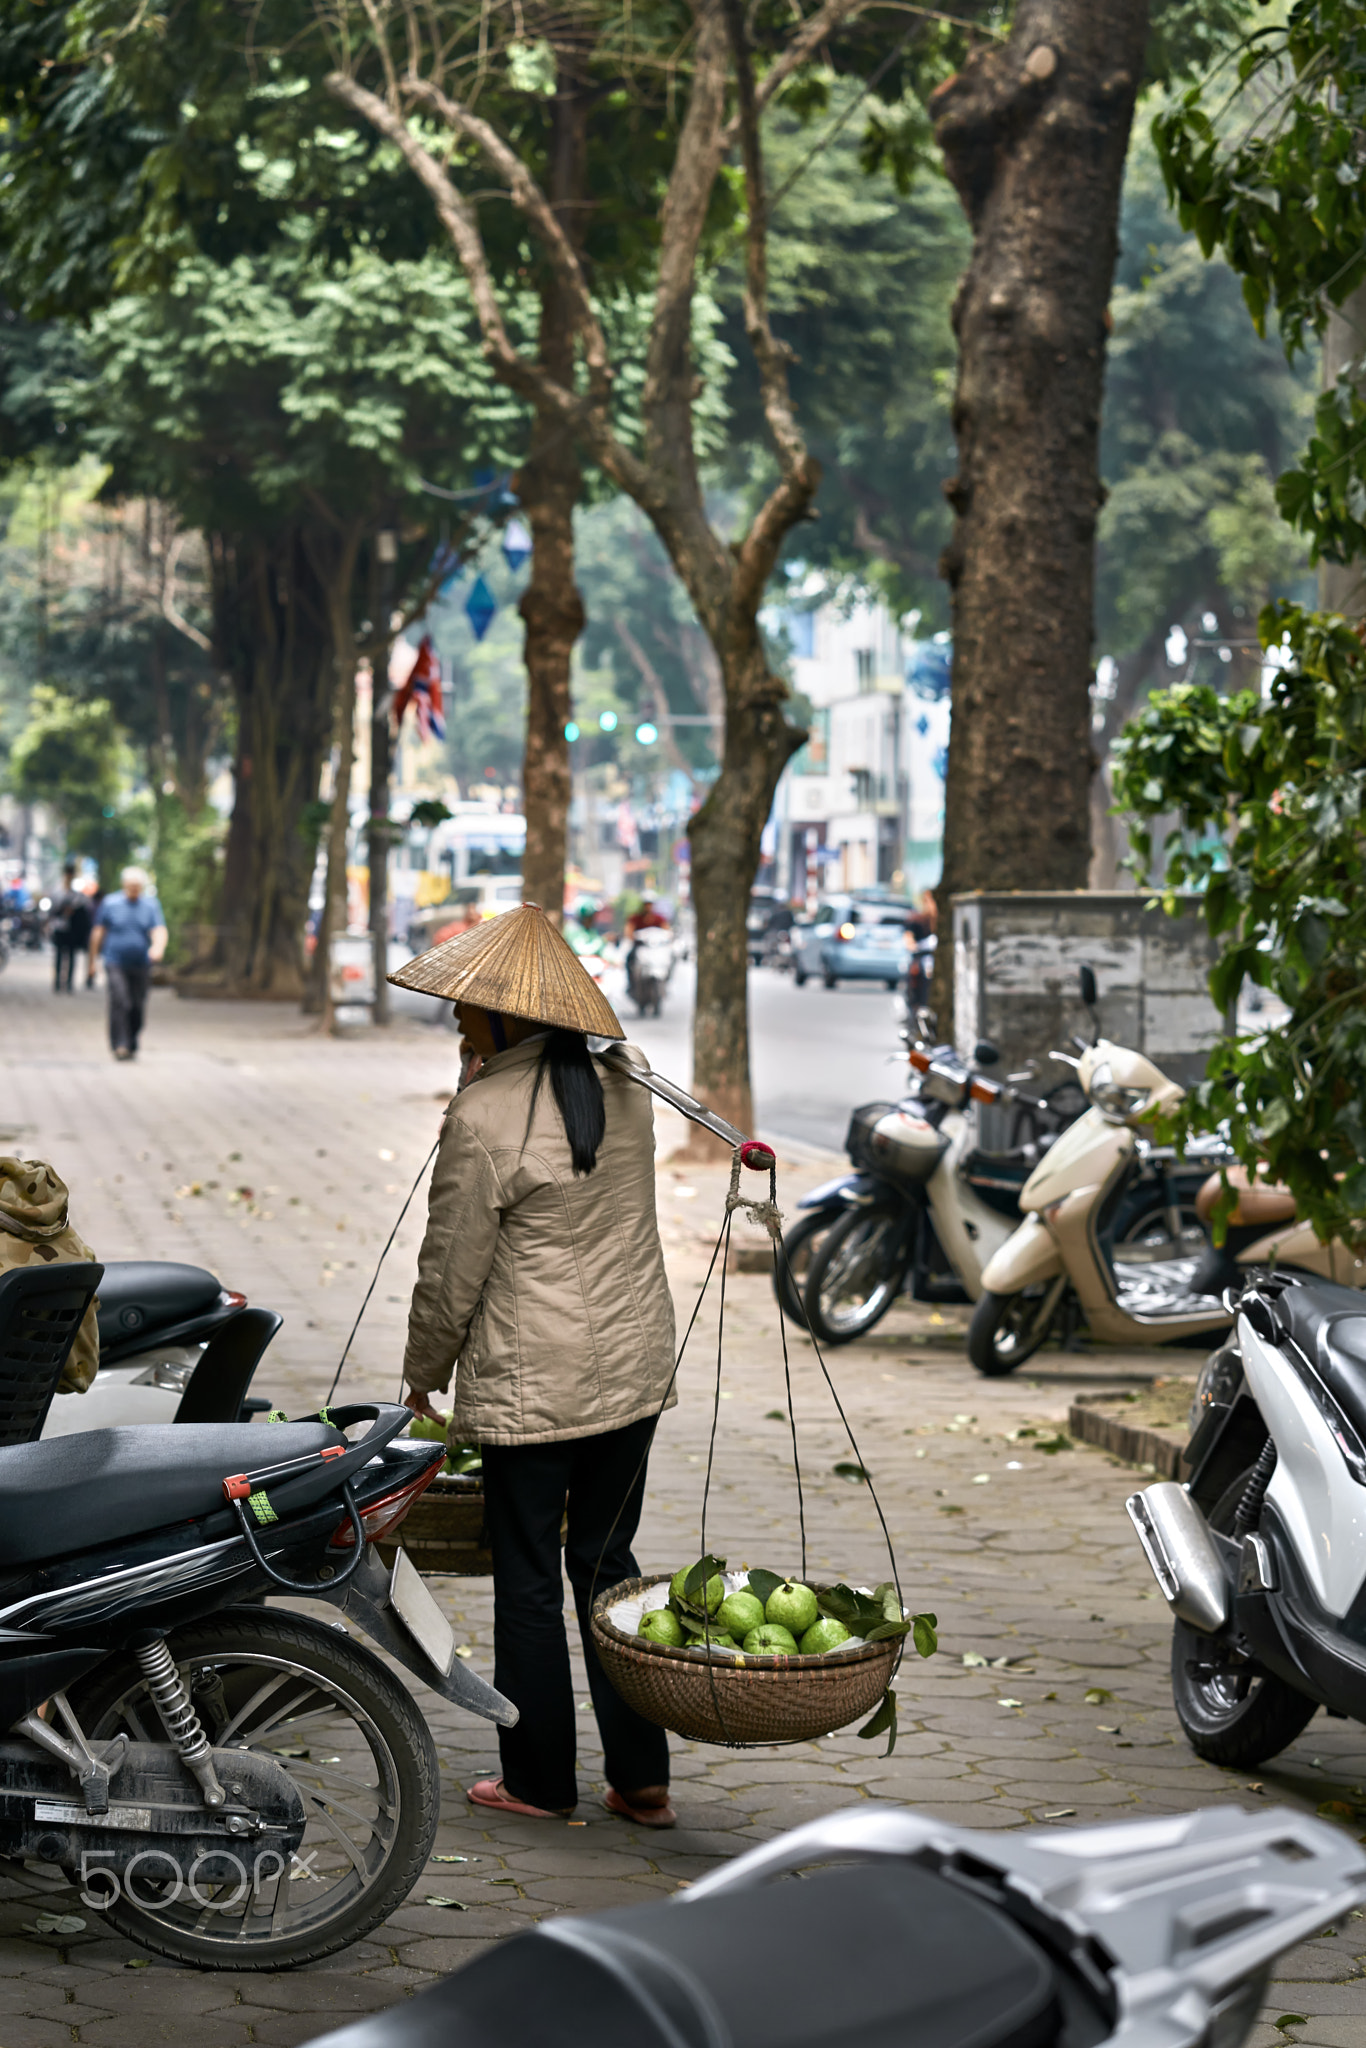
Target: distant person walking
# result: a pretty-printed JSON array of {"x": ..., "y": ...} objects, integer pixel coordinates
[
  {"x": 130, "y": 936},
  {"x": 68, "y": 928}
]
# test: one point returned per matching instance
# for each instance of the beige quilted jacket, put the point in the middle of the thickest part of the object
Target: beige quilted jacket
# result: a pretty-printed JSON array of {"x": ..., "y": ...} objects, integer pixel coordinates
[{"x": 547, "y": 1286}]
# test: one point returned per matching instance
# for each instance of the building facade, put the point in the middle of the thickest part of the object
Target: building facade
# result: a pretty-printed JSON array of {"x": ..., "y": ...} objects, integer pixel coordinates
[{"x": 862, "y": 804}]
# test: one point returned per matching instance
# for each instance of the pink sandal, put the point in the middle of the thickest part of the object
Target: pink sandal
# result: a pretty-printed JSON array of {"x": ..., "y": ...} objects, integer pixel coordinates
[
  {"x": 647, "y": 1816},
  {"x": 493, "y": 1792}
]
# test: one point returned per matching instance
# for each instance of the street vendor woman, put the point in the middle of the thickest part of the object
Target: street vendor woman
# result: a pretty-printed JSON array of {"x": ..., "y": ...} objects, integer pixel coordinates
[{"x": 541, "y": 1282}]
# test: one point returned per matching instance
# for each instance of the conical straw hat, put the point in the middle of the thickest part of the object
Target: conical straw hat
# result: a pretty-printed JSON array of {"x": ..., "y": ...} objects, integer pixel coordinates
[{"x": 519, "y": 965}]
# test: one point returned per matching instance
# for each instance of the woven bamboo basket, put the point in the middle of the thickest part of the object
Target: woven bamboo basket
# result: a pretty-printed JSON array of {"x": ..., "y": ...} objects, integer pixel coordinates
[
  {"x": 763, "y": 1700},
  {"x": 443, "y": 1530}
]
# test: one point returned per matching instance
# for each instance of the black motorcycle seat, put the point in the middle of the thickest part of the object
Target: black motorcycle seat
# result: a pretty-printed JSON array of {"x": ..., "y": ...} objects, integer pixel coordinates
[
  {"x": 77, "y": 1492},
  {"x": 138, "y": 1295},
  {"x": 1327, "y": 1325}
]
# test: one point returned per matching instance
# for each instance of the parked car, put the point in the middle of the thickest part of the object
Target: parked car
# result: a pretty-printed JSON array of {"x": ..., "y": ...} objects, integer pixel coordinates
[{"x": 854, "y": 938}]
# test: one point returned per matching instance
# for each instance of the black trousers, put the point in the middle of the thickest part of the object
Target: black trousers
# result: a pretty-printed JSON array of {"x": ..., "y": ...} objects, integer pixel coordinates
[
  {"x": 525, "y": 1489},
  {"x": 65, "y": 960},
  {"x": 127, "y": 1003}
]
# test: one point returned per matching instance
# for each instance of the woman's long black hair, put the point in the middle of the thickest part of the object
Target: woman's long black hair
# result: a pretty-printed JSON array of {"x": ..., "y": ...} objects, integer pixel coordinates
[{"x": 577, "y": 1088}]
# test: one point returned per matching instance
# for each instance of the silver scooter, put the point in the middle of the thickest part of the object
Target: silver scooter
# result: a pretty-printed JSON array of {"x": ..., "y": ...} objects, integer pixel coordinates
[
  {"x": 1261, "y": 1555},
  {"x": 1150, "y": 1934}
]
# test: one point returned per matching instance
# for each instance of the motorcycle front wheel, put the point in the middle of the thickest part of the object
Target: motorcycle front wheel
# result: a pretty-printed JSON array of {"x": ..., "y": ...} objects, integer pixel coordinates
[
  {"x": 1006, "y": 1329},
  {"x": 856, "y": 1274},
  {"x": 1229, "y": 1713},
  {"x": 793, "y": 1263},
  {"x": 361, "y": 1757}
]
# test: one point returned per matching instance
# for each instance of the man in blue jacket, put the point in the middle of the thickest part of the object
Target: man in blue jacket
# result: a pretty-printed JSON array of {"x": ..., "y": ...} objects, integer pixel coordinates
[{"x": 130, "y": 936}]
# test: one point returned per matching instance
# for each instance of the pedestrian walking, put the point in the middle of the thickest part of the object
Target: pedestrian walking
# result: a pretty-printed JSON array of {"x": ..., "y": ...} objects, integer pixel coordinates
[
  {"x": 69, "y": 929},
  {"x": 541, "y": 1281},
  {"x": 130, "y": 937}
]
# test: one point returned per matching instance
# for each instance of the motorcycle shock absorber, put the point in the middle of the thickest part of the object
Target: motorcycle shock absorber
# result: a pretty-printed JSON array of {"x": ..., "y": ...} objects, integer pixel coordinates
[
  {"x": 179, "y": 1718},
  {"x": 1254, "y": 1493}
]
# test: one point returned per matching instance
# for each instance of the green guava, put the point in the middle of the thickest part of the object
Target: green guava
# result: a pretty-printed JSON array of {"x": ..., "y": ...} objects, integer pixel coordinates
[
  {"x": 662, "y": 1626},
  {"x": 710, "y": 1598},
  {"x": 426, "y": 1431},
  {"x": 825, "y": 1634},
  {"x": 770, "y": 1640},
  {"x": 740, "y": 1612},
  {"x": 792, "y": 1606}
]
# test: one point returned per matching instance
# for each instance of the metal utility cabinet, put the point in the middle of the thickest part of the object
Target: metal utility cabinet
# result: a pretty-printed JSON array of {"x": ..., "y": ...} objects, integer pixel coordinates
[{"x": 1015, "y": 963}]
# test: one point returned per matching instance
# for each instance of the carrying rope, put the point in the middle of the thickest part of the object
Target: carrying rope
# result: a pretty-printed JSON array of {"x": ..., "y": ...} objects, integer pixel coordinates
[{"x": 767, "y": 1214}]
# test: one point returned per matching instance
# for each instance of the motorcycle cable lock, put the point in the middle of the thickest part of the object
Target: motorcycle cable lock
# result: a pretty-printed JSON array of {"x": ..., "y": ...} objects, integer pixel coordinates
[{"x": 245, "y": 1490}]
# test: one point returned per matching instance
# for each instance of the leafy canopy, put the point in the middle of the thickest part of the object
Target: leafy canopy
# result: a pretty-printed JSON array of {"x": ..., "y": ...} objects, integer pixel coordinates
[{"x": 1269, "y": 797}]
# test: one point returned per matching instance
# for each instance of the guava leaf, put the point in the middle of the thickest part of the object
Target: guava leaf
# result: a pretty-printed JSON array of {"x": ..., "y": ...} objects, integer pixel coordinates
[
  {"x": 706, "y": 1568},
  {"x": 846, "y": 1469},
  {"x": 885, "y": 1630},
  {"x": 883, "y": 1722},
  {"x": 890, "y": 1600},
  {"x": 858, "y": 1613},
  {"x": 762, "y": 1584},
  {"x": 924, "y": 1629}
]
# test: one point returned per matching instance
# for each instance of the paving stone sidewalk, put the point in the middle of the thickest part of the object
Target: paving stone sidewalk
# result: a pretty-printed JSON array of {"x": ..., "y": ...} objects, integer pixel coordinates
[{"x": 243, "y": 1140}]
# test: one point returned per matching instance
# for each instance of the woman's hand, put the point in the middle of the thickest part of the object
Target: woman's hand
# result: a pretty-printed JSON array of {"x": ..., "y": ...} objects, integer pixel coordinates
[{"x": 421, "y": 1405}]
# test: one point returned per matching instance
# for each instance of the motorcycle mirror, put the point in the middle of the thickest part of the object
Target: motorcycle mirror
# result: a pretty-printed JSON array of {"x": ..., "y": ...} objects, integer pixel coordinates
[
  {"x": 985, "y": 1054},
  {"x": 927, "y": 1024},
  {"x": 1089, "y": 993}
]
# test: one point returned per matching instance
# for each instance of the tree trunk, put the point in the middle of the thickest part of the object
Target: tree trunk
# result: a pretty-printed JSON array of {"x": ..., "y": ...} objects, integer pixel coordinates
[
  {"x": 1342, "y": 585},
  {"x": 271, "y": 629},
  {"x": 552, "y": 612},
  {"x": 549, "y": 487},
  {"x": 725, "y": 835},
  {"x": 333, "y": 916},
  {"x": 1034, "y": 133}
]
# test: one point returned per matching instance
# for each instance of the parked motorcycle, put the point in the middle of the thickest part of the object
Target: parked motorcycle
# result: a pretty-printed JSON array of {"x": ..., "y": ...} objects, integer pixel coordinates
[
  {"x": 929, "y": 1208},
  {"x": 648, "y": 967},
  {"x": 910, "y": 1930},
  {"x": 235, "y": 1787},
  {"x": 1262, "y": 1555},
  {"x": 175, "y": 1346},
  {"x": 1065, "y": 1265}
]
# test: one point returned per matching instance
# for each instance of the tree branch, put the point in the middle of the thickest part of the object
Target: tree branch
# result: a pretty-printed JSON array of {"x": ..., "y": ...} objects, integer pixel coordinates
[
  {"x": 809, "y": 37},
  {"x": 654, "y": 683},
  {"x": 171, "y": 610},
  {"x": 527, "y": 378},
  {"x": 529, "y": 200},
  {"x": 458, "y": 220},
  {"x": 800, "y": 474}
]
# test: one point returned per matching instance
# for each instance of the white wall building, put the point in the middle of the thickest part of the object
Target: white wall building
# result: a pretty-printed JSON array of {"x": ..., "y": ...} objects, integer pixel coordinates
[{"x": 863, "y": 802}]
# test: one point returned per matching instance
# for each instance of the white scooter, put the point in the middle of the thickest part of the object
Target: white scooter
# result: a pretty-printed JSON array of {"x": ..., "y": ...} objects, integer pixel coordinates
[
  {"x": 1062, "y": 1267},
  {"x": 1261, "y": 1556}
]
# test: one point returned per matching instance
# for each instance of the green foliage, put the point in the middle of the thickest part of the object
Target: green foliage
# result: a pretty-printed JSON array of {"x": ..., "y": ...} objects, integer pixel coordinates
[
  {"x": 69, "y": 755},
  {"x": 1269, "y": 169},
  {"x": 1268, "y": 792},
  {"x": 1273, "y": 178},
  {"x": 187, "y": 857},
  {"x": 1268, "y": 796},
  {"x": 862, "y": 280},
  {"x": 1199, "y": 415},
  {"x": 72, "y": 757},
  {"x": 250, "y": 389}
]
